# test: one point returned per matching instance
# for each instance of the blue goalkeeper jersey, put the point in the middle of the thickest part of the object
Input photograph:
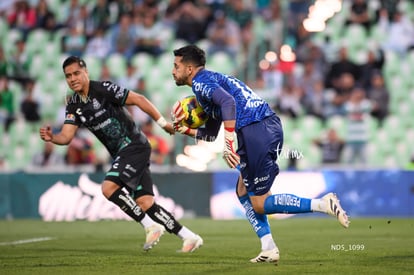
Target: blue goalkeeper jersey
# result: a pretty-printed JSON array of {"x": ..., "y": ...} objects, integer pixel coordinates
[{"x": 250, "y": 107}]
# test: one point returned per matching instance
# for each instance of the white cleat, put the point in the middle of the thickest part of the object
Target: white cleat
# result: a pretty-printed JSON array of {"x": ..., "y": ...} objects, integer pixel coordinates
[
  {"x": 267, "y": 256},
  {"x": 191, "y": 244},
  {"x": 153, "y": 235},
  {"x": 335, "y": 209}
]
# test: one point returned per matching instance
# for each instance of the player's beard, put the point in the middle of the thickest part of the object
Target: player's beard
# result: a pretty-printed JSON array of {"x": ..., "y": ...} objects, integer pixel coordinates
[{"x": 180, "y": 81}]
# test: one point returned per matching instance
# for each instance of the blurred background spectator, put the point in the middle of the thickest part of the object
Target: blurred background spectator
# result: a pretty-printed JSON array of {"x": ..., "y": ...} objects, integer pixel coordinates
[
  {"x": 191, "y": 20},
  {"x": 331, "y": 146},
  {"x": 80, "y": 151},
  {"x": 357, "y": 110},
  {"x": 160, "y": 148},
  {"x": 223, "y": 35},
  {"x": 48, "y": 157},
  {"x": 20, "y": 61},
  {"x": 148, "y": 37},
  {"x": 7, "y": 115},
  {"x": 22, "y": 17},
  {"x": 123, "y": 36},
  {"x": 29, "y": 107},
  {"x": 379, "y": 96},
  {"x": 99, "y": 45},
  {"x": 359, "y": 14},
  {"x": 242, "y": 15},
  {"x": 400, "y": 31}
]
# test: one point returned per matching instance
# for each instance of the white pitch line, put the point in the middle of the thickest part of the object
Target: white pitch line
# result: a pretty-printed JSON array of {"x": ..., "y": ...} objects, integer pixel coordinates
[{"x": 34, "y": 240}]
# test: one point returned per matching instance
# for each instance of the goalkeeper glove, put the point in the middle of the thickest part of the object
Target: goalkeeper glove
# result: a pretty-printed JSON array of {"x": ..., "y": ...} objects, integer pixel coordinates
[
  {"x": 177, "y": 112},
  {"x": 229, "y": 153},
  {"x": 178, "y": 127}
]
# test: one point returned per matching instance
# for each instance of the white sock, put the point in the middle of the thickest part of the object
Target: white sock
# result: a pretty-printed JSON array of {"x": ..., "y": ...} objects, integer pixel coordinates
[
  {"x": 146, "y": 221},
  {"x": 267, "y": 242},
  {"x": 186, "y": 233},
  {"x": 318, "y": 205}
]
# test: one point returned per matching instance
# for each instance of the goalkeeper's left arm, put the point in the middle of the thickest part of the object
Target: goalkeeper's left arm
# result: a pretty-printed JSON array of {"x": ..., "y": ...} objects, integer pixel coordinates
[{"x": 228, "y": 113}]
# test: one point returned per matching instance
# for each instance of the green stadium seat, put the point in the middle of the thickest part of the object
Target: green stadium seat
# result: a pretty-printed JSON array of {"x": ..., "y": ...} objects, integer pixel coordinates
[
  {"x": 152, "y": 80},
  {"x": 338, "y": 123},
  {"x": 4, "y": 28},
  {"x": 18, "y": 157},
  {"x": 377, "y": 34},
  {"x": 392, "y": 65},
  {"x": 393, "y": 126},
  {"x": 94, "y": 66},
  {"x": 49, "y": 53},
  {"x": 37, "y": 40},
  {"x": 221, "y": 62},
  {"x": 143, "y": 62},
  {"x": 311, "y": 126},
  {"x": 177, "y": 43},
  {"x": 117, "y": 65},
  {"x": 165, "y": 63},
  {"x": 37, "y": 66},
  {"x": 9, "y": 42},
  {"x": 405, "y": 113},
  {"x": 375, "y": 155}
]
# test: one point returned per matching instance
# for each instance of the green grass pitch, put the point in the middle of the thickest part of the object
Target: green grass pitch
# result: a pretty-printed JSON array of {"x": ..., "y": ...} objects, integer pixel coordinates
[{"x": 307, "y": 246}]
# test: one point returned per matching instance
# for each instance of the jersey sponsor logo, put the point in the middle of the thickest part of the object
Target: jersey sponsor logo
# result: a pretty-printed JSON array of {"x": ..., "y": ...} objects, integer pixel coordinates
[
  {"x": 257, "y": 180},
  {"x": 101, "y": 112},
  {"x": 251, "y": 216},
  {"x": 286, "y": 200},
  {"x": 253, "y": 103},
  {"x": 102, "y": 125},
  {"x": 201, "y": 87},
  {"x": 128, "y": 201}
]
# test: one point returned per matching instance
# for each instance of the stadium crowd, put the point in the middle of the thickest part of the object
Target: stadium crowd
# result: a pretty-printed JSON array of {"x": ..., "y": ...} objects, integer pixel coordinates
[{"x": 345, "y": 75}]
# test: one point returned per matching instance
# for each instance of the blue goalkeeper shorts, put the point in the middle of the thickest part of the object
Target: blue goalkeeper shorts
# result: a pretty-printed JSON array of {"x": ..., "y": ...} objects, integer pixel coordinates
[{"x": 259, "y": 145}]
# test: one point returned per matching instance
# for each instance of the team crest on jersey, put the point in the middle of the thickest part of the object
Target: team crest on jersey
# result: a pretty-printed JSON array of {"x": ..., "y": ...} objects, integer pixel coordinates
[{"x": 96, "y": 105}]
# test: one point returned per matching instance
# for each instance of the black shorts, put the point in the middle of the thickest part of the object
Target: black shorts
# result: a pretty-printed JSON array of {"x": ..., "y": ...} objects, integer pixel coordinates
[{"x": 130, "y": 169}]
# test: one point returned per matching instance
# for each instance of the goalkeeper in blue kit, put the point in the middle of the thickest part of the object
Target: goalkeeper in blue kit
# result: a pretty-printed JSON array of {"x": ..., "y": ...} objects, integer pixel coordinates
[{"x": 259, "y": 135}]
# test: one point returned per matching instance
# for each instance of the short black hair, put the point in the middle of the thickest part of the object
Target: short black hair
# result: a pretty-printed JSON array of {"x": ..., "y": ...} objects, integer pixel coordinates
[
  {"x": 73, "y": 59},
  {"x": 193, "y": 54}
]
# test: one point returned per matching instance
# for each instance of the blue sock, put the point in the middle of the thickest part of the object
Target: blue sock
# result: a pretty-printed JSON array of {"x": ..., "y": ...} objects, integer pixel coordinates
[
  {"x": 259, "y": 222},
  {"x": 287, "y": 204}
]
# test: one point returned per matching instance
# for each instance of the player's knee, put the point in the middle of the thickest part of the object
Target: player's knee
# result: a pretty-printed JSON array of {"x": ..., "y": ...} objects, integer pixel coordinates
[
  {"x": 108, "y": 188},
  {"x": 240, "y": 188},
  {"x": 258, "y": 203},
  {"x": 259, "y": 209}
]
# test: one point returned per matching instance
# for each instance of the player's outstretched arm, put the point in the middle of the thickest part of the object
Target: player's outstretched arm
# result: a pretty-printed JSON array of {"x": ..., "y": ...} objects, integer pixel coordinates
[
  {"x": 64, "y": 137},
  {"x": 145, "y": 105}
]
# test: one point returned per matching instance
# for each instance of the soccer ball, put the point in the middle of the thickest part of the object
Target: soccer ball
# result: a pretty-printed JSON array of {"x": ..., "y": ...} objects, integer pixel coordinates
[{"x": 194, "y": 114}]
